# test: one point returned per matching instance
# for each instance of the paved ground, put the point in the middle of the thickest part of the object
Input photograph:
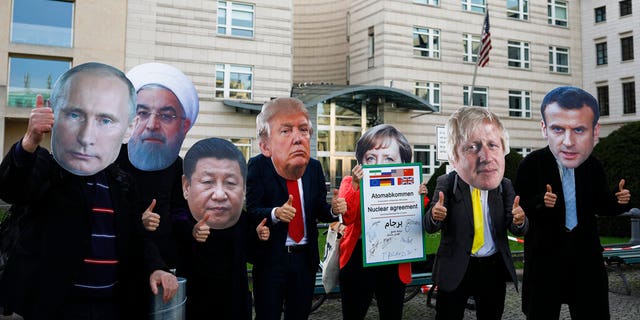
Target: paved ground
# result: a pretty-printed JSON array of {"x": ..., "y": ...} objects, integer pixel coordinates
[{"x": 622, "y": 306}]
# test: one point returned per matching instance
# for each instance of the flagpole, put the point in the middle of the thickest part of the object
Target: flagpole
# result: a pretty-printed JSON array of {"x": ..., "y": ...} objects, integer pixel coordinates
[{"x": 475, "y": 70}]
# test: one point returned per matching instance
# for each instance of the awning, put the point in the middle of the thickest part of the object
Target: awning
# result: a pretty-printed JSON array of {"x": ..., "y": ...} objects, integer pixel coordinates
[
  {"x": 347, "y": 96},
  {"x": 353, "y": 96},
  {"x": 243, "y": 105}
]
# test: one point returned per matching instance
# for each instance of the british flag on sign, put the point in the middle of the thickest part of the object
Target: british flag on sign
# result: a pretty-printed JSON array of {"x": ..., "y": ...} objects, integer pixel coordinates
[{"x": 405, "y": 180}]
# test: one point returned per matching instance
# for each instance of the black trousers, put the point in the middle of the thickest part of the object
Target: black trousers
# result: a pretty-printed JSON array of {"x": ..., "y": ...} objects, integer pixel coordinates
[
  {"x": 358, "y": 284},
  {"x": 286, "y": 285},
  {"x": 485, "y": 281}
]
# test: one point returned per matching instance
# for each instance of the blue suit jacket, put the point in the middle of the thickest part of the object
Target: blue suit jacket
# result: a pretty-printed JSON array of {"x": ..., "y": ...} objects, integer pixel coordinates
[{"x": 267, "y": 190}]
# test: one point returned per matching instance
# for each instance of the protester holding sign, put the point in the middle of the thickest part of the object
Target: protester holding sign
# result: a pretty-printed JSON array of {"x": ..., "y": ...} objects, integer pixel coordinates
[
  {"x": 473, "y": 208},
  {"x": 382, "y": 144}
]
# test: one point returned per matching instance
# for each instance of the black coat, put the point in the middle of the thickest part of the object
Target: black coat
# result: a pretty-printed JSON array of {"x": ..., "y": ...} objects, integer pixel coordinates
[
  {"x": 216, "y": 270},
  {"x": 549, "y": 248}
]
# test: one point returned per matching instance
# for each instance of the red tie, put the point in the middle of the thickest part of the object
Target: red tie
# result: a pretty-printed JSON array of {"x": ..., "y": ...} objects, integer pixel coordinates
[{"x": 296, "y": 226}]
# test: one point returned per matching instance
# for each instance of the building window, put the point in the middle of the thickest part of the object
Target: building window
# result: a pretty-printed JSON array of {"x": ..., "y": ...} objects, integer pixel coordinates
[
  {"x": 518, "y": 9},
  {"x": 371, "y": 48},
  {"x": 523, "y": 151},
  {"x": 470, "y": 45},
  {"x": 625, "y": 8},
  {"x": 603, "y": 100},
  {"x": 427, "y": 2},
  {"x": 30, "y": 77},
  {"x": 629, "y": 97},
  {"x": 480, "y": 95},
  {"x": 519, "y": 54},
  {"x": 234, "y": 81},
  {"x": 601, "y": 53},
  {"x": 600, "y": 14},
  {"x": 42, "y": 22},
  {"x": 558, "y": 60},
  {"x": 626, "y": 44},
  {"x": 426, "y": 42},
  {"x": 429, "y": 91},
  {"x": 235, "y": 19},
  {"x": 427, "y": 155},
  {"x": 557, "y": 13},
  {"x": 474, "y": 5},
  {"x": 519, "y": 104},
  {"x": 244, "y": 145}
]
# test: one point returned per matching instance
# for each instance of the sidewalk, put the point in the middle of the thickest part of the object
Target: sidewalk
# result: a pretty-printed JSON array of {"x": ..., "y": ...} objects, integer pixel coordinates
[{"x": 622, "y": 306}]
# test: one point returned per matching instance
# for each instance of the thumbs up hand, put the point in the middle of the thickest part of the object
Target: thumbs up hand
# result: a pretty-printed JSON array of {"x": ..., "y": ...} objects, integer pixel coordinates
[
  {"x": 518, "y": 213},
  {"x": 550, "y": 198},
  {"x": 201, "y": 229},
  {"x": 338, "y": 205},
  {"x": 263, "y": 231},
  {"x": 40, "y": 123},
  {"x": 287, "y": 211},
  {"x": 623, "y": 195},
  {"x": 150, "y": 219},
  {"x": 439, "y": 211}
]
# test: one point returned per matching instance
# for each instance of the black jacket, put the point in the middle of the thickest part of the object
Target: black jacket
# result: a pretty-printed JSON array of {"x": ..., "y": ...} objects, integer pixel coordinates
[{"x": 50, "y": 251}]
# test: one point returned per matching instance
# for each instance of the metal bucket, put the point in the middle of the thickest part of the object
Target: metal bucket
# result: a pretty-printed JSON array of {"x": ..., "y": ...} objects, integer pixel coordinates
[{"x": 174, "y": 309}]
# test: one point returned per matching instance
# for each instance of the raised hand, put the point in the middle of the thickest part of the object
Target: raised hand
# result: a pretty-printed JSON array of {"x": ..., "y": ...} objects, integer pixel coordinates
[
  {"x": 263, "y": 231},
  {"x": 40, "y": 123},
  {"x": 623, "y": 195},
  {"x": 201, "y": 229},
  {"x": 439, "y": 211},
  {"x": 287, "y": 211},
  {"x": 167, "y": 280},
  {"x": 338, "y": 205},
  {"x": 150, "y": 219},
  {"x": 423, "y": 189},
  {"x": 518, "y": 213},
  {"x": 356, "y": 174},
  {"x": 550, "y": 198}
]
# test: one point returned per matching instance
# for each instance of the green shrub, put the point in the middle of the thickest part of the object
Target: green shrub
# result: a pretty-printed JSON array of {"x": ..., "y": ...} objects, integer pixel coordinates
[{"x": 620, "y": 155}]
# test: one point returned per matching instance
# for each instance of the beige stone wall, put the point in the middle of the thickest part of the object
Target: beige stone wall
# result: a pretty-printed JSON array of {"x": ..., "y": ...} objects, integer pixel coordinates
[
  {"x": 183, "y": 34},
  {"x": 321, "y": 41},
  {"x": 394, "y": 60},
  {"x": 615, "y": 70}
]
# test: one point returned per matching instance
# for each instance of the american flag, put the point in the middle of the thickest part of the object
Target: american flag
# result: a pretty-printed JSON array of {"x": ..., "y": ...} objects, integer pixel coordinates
[{"x": 485, "y": 42}]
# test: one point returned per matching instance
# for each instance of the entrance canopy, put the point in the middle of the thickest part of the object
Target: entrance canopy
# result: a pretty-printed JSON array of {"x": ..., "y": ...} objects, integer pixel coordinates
[
  {"x": 350, "y": 97},
  {"x": 353, "y": 96}
]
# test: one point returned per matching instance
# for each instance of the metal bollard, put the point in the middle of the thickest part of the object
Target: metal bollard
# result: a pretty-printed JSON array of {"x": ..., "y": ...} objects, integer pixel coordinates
[
  {"x": 635, "y": 226},
  {"x": 172, "y": 310}
]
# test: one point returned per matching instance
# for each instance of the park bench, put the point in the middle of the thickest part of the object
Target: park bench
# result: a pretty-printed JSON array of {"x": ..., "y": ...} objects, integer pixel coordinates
[{"x": 617, "y": 259}]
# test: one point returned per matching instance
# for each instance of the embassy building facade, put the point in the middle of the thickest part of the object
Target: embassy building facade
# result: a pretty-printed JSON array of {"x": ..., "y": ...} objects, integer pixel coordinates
[{"x": 355, "y": 64}]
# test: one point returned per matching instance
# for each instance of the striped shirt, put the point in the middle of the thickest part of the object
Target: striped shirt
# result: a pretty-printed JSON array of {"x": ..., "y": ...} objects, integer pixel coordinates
[{"x": 98, "y": 274}]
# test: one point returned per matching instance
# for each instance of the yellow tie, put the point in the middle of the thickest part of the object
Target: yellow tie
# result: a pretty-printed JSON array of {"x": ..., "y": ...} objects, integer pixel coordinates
[{"x": 478, "y": 223}]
